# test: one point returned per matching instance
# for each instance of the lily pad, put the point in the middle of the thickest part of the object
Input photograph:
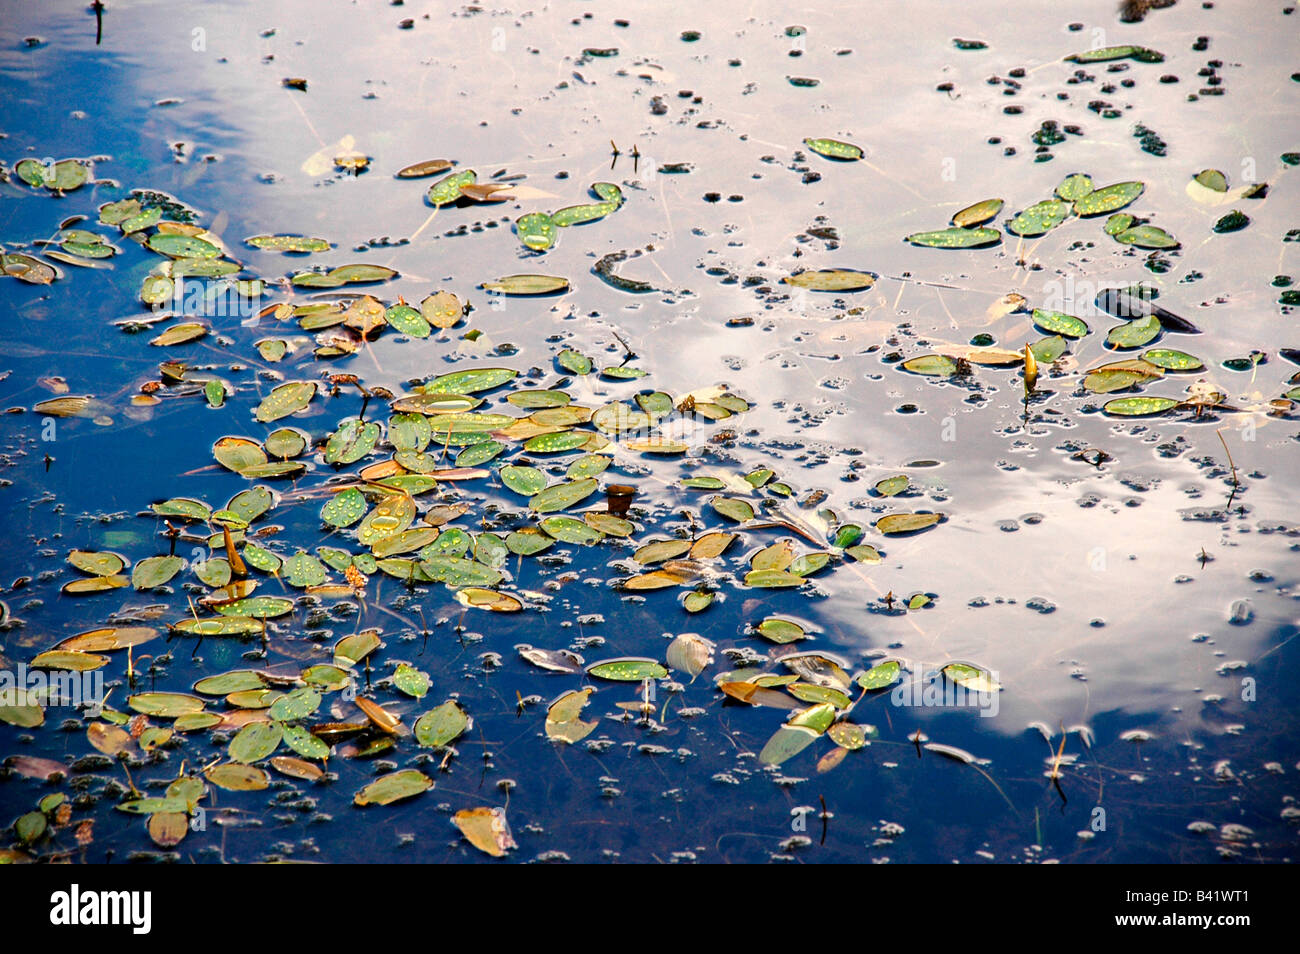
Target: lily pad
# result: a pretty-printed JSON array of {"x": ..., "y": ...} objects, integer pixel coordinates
[
  {"x": 956, "y": 238},
  {"x": 832, "y": 280},
  {"x": 527, "y": 285},
  {"x": 627, "y": 669},
  {"x": 834, "y": 149}
]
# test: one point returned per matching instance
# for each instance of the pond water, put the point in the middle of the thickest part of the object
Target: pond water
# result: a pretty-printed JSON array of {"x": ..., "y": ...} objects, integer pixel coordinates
[{"x": 1129, "y": 582}]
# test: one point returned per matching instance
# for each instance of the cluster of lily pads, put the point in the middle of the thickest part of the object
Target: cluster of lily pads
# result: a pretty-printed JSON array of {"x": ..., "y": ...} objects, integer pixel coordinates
[
  {"x": 1075, "y": 195},
  {"x": 1142, "y": 322}
]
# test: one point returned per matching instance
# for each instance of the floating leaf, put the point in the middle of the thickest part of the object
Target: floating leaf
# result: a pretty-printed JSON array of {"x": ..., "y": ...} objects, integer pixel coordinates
[
  {"x": 97, "y": 563},
  {"x": 834, "y": 149},
  {"x": 1059, "y": 323},
  {"x": 569, "y": 530},
  {"x": 155, "y": 571},
  {"x": 536, "y": 230},
  {"x": 880, "y": 676},
  {"x": 288, "y": 243},
  {"x": 165, "y": 704},
  {"x": 772, "y": 579},
  {"x": 394, "y": 787},
  {"x": 411, "y": 681},
  {"x": 476, "y": 597},
  {"x": 1106, "y": 53},
  {"x": 527, "y": 285},
  {"x": 907, "y": 522},
  {"x": 1134, "y": 334},
  {"x": 68, "y": 661},
  {"x": 286, "y": 399},
  {"x": 1139, "y": 406},
  {"x": 936, "y": 365},
  {"x": 441, "y": 725},
  {"x": 562, "y": 496},
  {"x": 1172, "y": 360},
  {"x": 255, "y": 741},
  {"x": 973, "y": 678},
  {"x": 237, "y": 777},
  {"x": 429, "y": 167},
  {"x": 1111, "y": 198},
  {"x": 690, "y": 653},
  {"x": 1039, "y": 218},
  {"x": 976, "y": 214},
  {"x": 780, "y": 630},
  {"x": 459, "y": 383},
  {"x": 733, "y": 508},
  {"x": 1075, "y": 187},
  {"x": 627, "y": 669},
  {"x": 298, "y": 704},
  {"x": 891, "y": 486},
  {"x": 956, "y": 238},
  {"x": 352, "y": 441},
  {"x": 486, "y": 829},
  {"x": 832, "y": 280},
  {"x": 1147, "y": 236}
]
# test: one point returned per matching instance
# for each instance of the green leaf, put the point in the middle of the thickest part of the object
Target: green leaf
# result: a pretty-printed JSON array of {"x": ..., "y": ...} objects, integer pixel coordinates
[
  {"x": 303, "y": 570},
  {"x": 298, "y": 704},
  {"x": 527, "y": 285},
  {"x": 155, "y": 571},
  {"x": 569, "y": 530},
  {"x": 574, "y": 361},
  {"x": 771, "y": 579},
  {"x": 441, "y": 725},
  {"x": 1047, "y": 350},
  {"x": 1172, "y": 360},
  {"x": 786, "y": 743},
  {"x": 411, "y": 681},
  {"x": 1039, "y": 218},
  {"x": 892, "y": 485},
  {"x": 1059, "y": 323},
  {"x": 579, "y": 214},
  {"x": 1075, "y": 187},
  {"x": 956, "y": 238},
  {"x": 1139, "y": 406},
  {"x": 182, "y": 246},
  {"x": 1111, "y": 198},
  {"x": 1147, "y": 236},
  {"x": 834, "y": 149},
  {"x": 288, "y": 243},
  {"x": 562, "y": 496},
  {"x": 973, "y": 678},
  {"x": 352, "y": 441},
  {"x": 393, "y": 787},
  {"x": 300, "y": 740},
  {"x": 408, "y": 321},
  {"x": 458, "y": 572},
  {"x": 1212, "y": 179},
  {"x": 733, "y": 508},
  {"x": 467, "y": 382},
  {"x": 479, "y": 453},
  {"x": 907, "y": 522},
  {"x": 345, "y": 508},
  {"x": 447, "y": 189},
  {"x": 254, "y": 742},
  {"x": 536, "y": 231},
  {"x": 780, "y": 630},
  {"x": 286, "y": 399},
  {"x": 627, "y": 669},
  {"x": 936, "y": 365},
  {"x": 977, "y": 214},
  {"x": 1104, "y": 54},
  {"x": 1134, "y": 334},
  {"x": 522, "y": 479},
  {"x": 880, "y": 676}
]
